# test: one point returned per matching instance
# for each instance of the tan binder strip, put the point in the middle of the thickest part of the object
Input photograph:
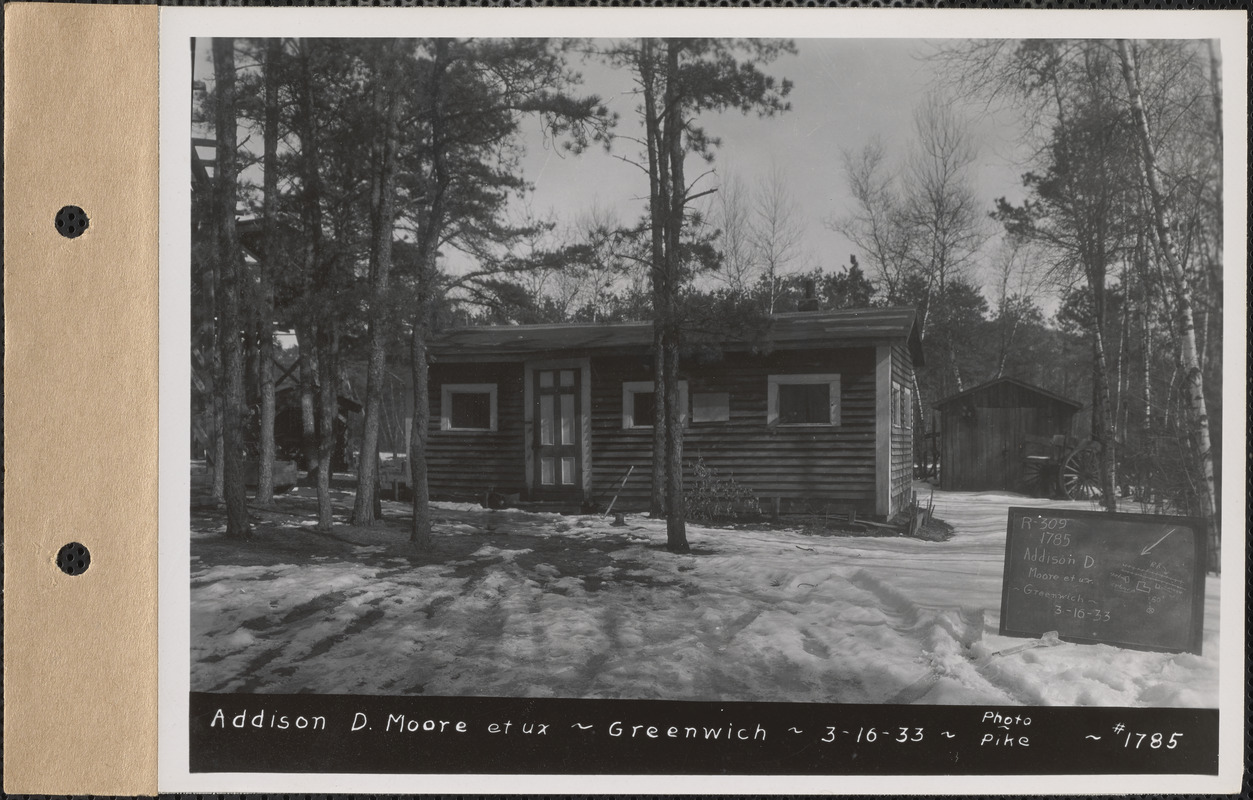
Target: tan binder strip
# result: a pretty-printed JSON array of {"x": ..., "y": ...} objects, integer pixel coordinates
[{"x": 80, "y": 401}]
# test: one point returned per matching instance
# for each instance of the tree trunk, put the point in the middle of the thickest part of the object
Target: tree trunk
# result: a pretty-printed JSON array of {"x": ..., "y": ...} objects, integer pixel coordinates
[
  {"x": 219, "y": 444},
  {"x": 658, "y": 181},
  {"x": 1102, "y": 419},
  {"x": 427, "y": 285},
  {"x": 673, "y": 122},
  {"x": 1102, "y": 429},
  {"x": 308, "y": 405},
  {"x": 328, "y": 411},
  {"x": 318, "y": 287},
  {"x": 420, "y": 533},
  {"x": 230, "y": 265},
  {"x": 657, "y": 494},
  {"x": 1194, "y": 389},
  {"x": 387, "y": 108},
  {"x": 266, "y": 269},
  {"x": 214, "y": 385}
]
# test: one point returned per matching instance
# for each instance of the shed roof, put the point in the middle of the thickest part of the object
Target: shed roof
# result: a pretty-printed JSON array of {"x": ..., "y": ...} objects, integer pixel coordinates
[
  {"x": 791, "y": 331},
  {"x": 1014, "y": 381}
]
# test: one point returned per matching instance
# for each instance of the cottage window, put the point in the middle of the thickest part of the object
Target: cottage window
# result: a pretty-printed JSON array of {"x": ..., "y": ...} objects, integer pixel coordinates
[
  {"x": 640, "y": 402},
  {"x": 643, "y": 409},
  {"x": 902, "y": 406},
  {"x": 468, "y": 407},
  {"x": 711, "y": 407},
  {"x": 803, "y": 400}
]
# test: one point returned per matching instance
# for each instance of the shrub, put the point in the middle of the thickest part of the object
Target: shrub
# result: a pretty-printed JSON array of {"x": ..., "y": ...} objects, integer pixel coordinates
[{"x": 714, "y": 498}]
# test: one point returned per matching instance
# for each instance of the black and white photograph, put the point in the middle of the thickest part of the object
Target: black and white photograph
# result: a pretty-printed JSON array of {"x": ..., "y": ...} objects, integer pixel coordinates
[{"x": 728, "y": 369}]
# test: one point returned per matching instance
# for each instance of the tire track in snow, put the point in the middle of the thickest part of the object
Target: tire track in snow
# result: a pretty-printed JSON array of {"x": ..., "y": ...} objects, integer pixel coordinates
[{"x": 934, "y": 630}]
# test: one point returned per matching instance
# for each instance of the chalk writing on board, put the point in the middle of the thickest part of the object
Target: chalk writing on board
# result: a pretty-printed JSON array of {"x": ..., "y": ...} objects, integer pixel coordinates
[{"x": 1132, "y": 580}]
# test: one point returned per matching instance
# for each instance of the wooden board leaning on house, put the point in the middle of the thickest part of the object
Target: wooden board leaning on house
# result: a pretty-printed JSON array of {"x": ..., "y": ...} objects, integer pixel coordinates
[{"x": 1132, "y": 580}]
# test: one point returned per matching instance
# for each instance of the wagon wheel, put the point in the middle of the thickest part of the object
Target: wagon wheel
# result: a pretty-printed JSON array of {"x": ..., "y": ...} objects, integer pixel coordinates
[
  {"x": 1038, "y": 475},
  {"x": 1081, "y": 472}
]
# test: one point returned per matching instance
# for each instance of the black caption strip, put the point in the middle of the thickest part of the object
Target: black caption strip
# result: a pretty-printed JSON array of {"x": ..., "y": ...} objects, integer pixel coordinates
[{"x": 372, "y": 734}]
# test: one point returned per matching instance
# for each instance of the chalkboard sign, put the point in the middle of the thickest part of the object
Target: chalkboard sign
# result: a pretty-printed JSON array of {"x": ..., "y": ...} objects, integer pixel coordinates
[{"x": 1133, "y": 580}]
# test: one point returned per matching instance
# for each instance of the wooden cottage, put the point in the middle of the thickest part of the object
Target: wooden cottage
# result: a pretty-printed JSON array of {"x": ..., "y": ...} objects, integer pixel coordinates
[
  {"x": 995, "y": 436},
  {"x": 810, "y": 412}
]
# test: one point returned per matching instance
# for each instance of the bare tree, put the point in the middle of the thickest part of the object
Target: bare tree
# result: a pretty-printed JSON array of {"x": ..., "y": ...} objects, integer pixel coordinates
[
  {"x": 876, "y": 225},
  {"x": 922, "y": 228},
  {"x": 943, "y": 219},
  {"x": 1019, "y": 282},
  {"x": 733, "y": 217},
  {"x": 777, "y": 233}
]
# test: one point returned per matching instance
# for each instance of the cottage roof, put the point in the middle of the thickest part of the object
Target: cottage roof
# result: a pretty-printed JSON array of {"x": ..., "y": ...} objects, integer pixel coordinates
[
  {"x": 857, "y": 327},
  {"x": 983, "y": 387}
]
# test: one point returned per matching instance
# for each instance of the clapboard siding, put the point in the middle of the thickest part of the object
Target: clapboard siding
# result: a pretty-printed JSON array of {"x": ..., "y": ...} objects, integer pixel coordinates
[
  {"x": 833, "y": 464},
  {"x": 466, "y": 464},
  {"x": 902, "y": 466}
]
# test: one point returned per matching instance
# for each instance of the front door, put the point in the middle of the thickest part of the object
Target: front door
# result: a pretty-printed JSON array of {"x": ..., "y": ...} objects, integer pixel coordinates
[{"x": 558, "y": 449}]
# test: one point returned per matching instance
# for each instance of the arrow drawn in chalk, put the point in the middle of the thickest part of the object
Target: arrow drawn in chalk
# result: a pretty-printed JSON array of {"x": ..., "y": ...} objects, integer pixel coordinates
[{"x": 1146, "y": 550}]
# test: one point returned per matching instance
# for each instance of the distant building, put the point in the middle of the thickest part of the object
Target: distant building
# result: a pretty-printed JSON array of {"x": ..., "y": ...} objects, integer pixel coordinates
[{"x": 989, "y": 436}]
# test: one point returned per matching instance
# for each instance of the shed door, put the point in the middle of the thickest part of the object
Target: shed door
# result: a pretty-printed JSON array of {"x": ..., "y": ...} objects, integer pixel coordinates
[
  {"x": 998, "y": 467},
  {"x": 558, "y": 451}
]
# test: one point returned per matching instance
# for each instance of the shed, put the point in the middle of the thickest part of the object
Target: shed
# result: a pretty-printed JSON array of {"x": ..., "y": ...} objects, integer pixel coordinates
[
  {"x": 987, "y": 432},
  {"x": 808, "y": 411}
]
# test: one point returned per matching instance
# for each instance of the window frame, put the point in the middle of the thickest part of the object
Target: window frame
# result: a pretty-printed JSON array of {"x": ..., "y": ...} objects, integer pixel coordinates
[
  {"x": 834, "y": 404},
  {"x": 631, "y": 388},
  {"x": 447, "y": 390},
  {"x": 692, "y": 416}
]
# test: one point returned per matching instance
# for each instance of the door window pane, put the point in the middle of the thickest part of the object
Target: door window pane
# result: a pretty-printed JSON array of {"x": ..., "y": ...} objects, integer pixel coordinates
[
  {"x": 546, "y": 471},
  {"x": 567, "y": 377},
  {"x": 567, "y": 419},
  {"x": 804, "y": 403},
  {"x": 546, "y": 419},
  {"x": 470, "y": 410},
  {"x": 545, "y": 379},
  {"x": 567, "y": 471}
]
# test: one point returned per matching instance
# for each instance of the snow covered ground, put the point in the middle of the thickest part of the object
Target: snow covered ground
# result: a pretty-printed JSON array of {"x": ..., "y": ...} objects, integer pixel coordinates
[{"x": 520, "y": 604}]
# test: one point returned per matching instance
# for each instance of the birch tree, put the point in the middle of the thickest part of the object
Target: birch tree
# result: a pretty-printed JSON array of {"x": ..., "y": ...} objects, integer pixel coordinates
[{"x": 1185, "y": 330}]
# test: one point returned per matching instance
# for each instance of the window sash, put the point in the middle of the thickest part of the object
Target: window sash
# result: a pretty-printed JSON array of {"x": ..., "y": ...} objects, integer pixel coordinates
[
  {"x": 711, "y": 407},
  {"x": 470, "y": 411},
  {"x": 793, "y": 407},
  {"x": 457, "y": 412},
  {"x": 631, "y": 389}
]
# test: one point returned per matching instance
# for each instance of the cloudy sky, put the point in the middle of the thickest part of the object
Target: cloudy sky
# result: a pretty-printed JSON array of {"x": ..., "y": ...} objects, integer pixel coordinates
[{"x": 846, "y": 92}]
